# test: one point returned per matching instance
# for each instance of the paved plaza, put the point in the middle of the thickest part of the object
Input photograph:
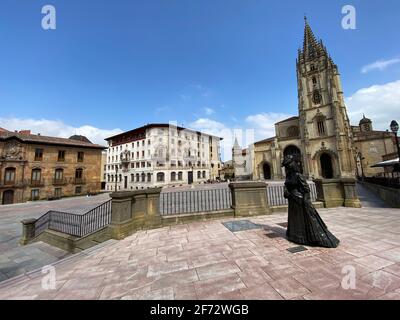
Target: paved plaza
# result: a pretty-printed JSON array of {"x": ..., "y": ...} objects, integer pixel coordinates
[
  {"x": 16, "y": 260},
  {"x": 205, "y": 260}
]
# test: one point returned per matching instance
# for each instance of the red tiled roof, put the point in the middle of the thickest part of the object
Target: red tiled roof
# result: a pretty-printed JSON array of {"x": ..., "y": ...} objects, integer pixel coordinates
[{"x": 39, "y": 139}]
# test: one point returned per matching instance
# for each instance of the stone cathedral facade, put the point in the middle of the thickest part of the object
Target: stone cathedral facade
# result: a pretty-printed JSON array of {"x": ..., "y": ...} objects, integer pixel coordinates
[{"x": 321, "y": 134}]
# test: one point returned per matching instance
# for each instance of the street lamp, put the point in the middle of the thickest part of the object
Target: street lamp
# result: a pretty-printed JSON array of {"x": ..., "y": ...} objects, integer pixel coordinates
[
  {"x": 116, "y": 177},
  {"x": 394, "y": 126}
]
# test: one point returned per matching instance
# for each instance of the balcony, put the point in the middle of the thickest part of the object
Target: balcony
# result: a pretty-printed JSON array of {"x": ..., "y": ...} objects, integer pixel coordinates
[
  {"x": 79, "y": 181},
  {"x": 36, "y": 183},
  {"x": 60, "y": 182}
]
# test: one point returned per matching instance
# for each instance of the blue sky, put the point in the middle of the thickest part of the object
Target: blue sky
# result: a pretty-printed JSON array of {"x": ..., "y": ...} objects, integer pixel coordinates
[{"x": 208, "y": 64}]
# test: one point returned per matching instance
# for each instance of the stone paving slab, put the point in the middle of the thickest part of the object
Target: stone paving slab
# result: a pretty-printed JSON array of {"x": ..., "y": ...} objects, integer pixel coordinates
[{"x": 186, "y": 262}]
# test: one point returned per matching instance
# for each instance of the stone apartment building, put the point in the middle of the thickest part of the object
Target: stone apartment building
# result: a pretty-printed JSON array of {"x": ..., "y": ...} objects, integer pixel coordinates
[
  {"x": 158, "y": 155},
  {"x": 36, "y": 167}
]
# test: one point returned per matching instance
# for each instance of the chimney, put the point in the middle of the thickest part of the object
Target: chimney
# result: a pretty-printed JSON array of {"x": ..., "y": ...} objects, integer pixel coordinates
[{"x": 25, "y": 132}]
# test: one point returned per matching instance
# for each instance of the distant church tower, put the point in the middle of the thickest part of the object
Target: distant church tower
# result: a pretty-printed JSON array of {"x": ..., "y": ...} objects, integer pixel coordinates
[{"x": 324, "y": 124}]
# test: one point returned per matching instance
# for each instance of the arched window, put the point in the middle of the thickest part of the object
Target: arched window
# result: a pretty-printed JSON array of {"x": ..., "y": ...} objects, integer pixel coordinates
[
  {"x": 180, "y": 176},
  {"x": 321, "y": 126},
  {"x": 198, "y": 174},
  {"x": 149, "y": 177},
  {"x": 173, "y": 176},
  {"x": 9, "y": 177},
  {"x": 204, "y": 174},
  {"x": 314, "y": 80},
  {"x": 293, "y": 131},
  {"x": 132, "y": 177},
  {"x": 143, "y": 177},
  {"x": 137, "y": 177},
  {"x": 160, "y": 177}
]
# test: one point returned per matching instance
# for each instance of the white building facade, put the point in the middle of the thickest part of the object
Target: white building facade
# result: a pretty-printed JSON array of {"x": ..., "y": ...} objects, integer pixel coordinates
[{"x": 158, "y": 155}]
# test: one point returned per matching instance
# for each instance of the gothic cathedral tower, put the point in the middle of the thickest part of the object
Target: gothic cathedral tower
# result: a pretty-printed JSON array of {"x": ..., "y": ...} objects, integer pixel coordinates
[{"x": 325, "y": 128}]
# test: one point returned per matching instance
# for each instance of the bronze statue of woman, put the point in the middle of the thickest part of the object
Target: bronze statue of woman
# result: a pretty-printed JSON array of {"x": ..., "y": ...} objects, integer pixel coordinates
[{"x": 305, "y": 226}]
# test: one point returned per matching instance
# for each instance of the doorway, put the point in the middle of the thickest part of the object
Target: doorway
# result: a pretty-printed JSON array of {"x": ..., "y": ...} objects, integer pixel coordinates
[
  {"x": 190, "y": 177},
  {"x": 8, "y": 197},
  {"x": 326, "y": 166},
  {"x": 267, "y": 171}
]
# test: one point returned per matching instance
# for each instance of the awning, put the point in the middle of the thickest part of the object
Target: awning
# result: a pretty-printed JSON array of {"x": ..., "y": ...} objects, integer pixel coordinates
[{"x": 388, "y": 163}]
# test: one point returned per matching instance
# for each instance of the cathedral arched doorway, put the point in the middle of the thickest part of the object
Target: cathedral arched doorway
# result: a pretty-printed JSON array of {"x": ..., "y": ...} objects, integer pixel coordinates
[
  {"x": 267, "y": 171},
  {"x": 326, "y": 166},
  {"x": 294, "y": 151}
]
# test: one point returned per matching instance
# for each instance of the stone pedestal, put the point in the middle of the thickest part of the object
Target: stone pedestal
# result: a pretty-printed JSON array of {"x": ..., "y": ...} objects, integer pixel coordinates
[
  {"x": 28, "y": 231},
  {"x": 134, "y": 210},
  {"x": 337, "y": 192},
  {"x": 249, "y": 198}
]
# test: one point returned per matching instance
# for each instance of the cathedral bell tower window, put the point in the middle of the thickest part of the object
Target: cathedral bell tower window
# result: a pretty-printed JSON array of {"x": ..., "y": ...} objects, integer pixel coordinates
[{"x": 316, "y": 97}]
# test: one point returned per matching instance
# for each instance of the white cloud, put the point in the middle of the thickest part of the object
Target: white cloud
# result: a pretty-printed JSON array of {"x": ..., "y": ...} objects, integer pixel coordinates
[
  {"x": 379, "y": 65},
  {"x": 380, "y": 103},
  {"x": 245, "y": 137},
  {"x": 57, "y": 128},
  {"x": 209, "y": 111},
  {"x": 264, "y": 123}
]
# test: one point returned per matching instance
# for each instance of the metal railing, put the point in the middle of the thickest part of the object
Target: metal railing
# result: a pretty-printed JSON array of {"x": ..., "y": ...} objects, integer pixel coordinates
[
  {"x": 78, "y": 225},
  {"x": 195, "y": 201},
  {"x": 275, "y": 194},
  {"x": 385, "y": 182}
]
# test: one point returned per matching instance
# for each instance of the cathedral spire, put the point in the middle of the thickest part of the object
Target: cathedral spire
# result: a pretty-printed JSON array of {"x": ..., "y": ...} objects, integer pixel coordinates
[{"x": 311, "y": 47}]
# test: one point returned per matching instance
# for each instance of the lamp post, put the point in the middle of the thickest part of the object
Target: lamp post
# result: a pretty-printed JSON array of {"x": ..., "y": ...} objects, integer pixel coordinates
[
  {"x": 116, "y": 177},
  {"x": 394, "y": 126}
]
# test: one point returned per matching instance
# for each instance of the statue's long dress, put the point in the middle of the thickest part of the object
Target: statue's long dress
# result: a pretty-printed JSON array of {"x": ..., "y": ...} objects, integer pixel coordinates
[{"x": 305, "y": 225}]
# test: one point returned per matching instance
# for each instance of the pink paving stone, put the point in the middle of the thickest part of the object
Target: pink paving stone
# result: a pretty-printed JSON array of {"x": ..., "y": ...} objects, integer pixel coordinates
[
  {"x": 282, "y": 271},
  {"x": 374, "y": 262},
  {"x": 251, "y": 263},
  {"x": 289, "y": 288},
  {"x": 392, "y": 254},
  {"x": 156, "y": 269},
  {"x": 174, "y": 279},
  {"x": 207, "y": 259},
  {"x": 210, "y": 288},
  {"x": 383, "y": 280},
  {"x": 390, "y": 296},
  {"x": 254, "y": 276},
  {"x": 260, "y": 292},
  {"x": 394, "y": 269},
  {"x": 217, "y": 270},
  {"x": 238, "y": 254},
  {"x": 185, "y": 292}
]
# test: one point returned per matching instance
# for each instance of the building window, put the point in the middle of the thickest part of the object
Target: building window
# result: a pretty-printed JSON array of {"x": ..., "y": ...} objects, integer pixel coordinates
[
  {"x": 81, "y": 156},
  {"x": 38, "y": 154},
  {"x": 36, "y": 175},
  {"x": 58, "y": 192},
  {"x": 314, "y": 80},
  {"x": 61, "y": 155},
  {"x": 321, "y": 127},
  {"x": 137, "y": 177},
  {"x": 204, "y": 174},
  {"x": 78, "y": 190},
  {"x": 180, "y": 176},
  {"x": 293, "y": 131},
  {"x": 59, "y": 174},
  {"x": 160, "y": 177},
  {"x": 79, "y": 175},
  {"x": 198, "y": 174},
  {"x": 173, "y": 176},
  {"x": 143, "y": 177},
  {"x": 149, "y": 177},
  {"x": 9, "y": 177},
  {"x": 35, "y": 194}
]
